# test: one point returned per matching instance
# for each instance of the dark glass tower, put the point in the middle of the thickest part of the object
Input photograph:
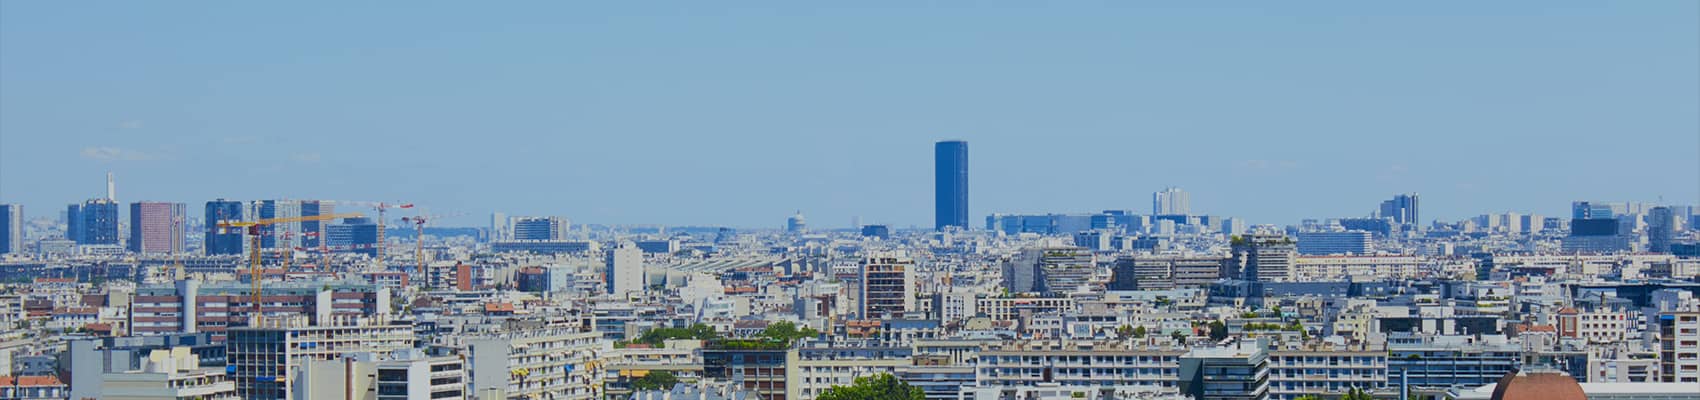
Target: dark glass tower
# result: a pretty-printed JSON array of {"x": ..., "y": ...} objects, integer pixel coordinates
[
  {"x": 223, "y": 240},
  {"x": 950, "y": 159},
  {"x": 93, "y": 222}
]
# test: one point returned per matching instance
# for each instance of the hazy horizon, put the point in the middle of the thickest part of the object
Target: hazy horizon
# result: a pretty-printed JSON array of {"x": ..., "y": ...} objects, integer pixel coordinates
[{"x": 715, "y": 115}]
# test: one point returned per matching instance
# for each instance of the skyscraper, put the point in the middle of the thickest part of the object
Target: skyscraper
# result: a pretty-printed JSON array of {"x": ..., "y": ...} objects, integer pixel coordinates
[
  {"x": 11, "y": 228},
  {"x": 1661, "y": 228},
  {"x": 1402, "y": 209},
  {"x": 625, "y": 269},
  {"x": 357, "y": 235},
  {"x": 498, "y": 227},
  {"x": 93, "y": 222},
  {"x": 223, "y": 241},
  {"x": 156, "y": 228},
  {"x": 796, "y": 224},
  {"x": 950, "y": 178},
  {"x": 1171, "y": 201}
]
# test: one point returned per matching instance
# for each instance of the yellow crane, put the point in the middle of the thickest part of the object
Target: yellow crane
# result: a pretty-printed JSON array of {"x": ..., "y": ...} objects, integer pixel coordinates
[
  {"x": 253, "y": 232},
  {"x": 419, "y": 222}
]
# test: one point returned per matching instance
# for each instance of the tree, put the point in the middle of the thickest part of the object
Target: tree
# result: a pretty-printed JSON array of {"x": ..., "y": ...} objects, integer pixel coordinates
[
  {"x": 1178, "y": 336},
  {"x": 1357, "y": 394},
  {"x": 655, "y": 380},
  {"x": 877, "y": 387},
  {"x": 787, "y": 331},
  {"x": 1124, "y": 331},
  {"x": 1139, "y": 332},
  {"x": 1218, "y": 330},
  {"x": 1308, "y": 397}
]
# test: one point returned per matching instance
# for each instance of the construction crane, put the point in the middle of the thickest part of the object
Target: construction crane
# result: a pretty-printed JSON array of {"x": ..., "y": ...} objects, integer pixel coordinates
[
  {"x": 253, "y": 232},
  {"x": 418, "y": 222},
  {"x": 381, "y": 207}
]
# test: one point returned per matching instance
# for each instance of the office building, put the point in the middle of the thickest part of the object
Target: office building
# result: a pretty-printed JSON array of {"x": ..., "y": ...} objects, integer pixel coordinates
[
  {"x": 309, "y": 233},
  {"x": 624, "y": 274},
  {"x": 950, "y": 178},
  {"x": 1334, "y": 243},
  {"x": 887, "y": 285},
  {"x": 94, "y": 222},
  {"x": 219, "y": 240},
  {"x": 540, "y": 228},
  {"x": 820, "y": 366},
  {"x": 1402, "y": 209},
  {"x": 157, "y": 228},
  {"x": 11, "y": 228},
  {"x": 881, "y": 232},
  {"x": 265, "y": 359},
  {"x": 353, "y": 235},
  {"x": 796, "y": 224},
  {"x": 1662, "y": 224},
  {"x": 1264, "y": 258},
  {"x": 499, "y": 227},
  {"x": 1171, "y": 201},
  {"x": 546, "y": 247}
]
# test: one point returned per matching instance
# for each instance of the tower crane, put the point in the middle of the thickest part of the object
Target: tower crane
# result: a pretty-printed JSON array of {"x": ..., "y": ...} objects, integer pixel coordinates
[
  {"x": 381, "y": 207},
  {"x": 418, "y": 222},
  {"x": 253, "y": 232}
]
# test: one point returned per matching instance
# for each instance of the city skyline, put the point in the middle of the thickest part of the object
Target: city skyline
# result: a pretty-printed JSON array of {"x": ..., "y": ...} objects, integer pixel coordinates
[{"x": 1069, "y": 110}]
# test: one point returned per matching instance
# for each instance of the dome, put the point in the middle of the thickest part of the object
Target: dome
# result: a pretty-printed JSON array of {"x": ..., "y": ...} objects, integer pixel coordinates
[{"x": 1538, "y": 385}]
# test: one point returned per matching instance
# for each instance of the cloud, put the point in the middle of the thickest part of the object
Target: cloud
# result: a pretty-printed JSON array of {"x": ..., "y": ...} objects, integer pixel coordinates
[
  {"x": 130, "y": 124},
  {"x": 117, "y": 154},
  {"x": 308, "y": 158}
]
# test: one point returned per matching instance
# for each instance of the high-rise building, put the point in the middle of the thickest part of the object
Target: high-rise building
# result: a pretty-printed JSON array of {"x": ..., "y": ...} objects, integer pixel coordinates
[
  {"x": 540, "y": 228},
  {"x": 625, "y": 269},
  {"x": 1402, "y": 209},
  {"x": 223, "y": 241},
  {"x": 157, "y": 227},
  {"x": 1661, "y": 229},
  {"x": 1264, "y": 258},
  {"x": 1327, "y": 243},
  {"x": 311, "y": 232},
  {"x": 95, "y": 222},
  {"x": 950, "y": 162},
  {"x": 357, "y": 235},
  {"x": 1171, "y": 201},
  {"x": 11, "y": 228},
  {"x": 796, "y": 223},
  {"x": 499, "y": 227},
  {"x": 888, "y": 286}
]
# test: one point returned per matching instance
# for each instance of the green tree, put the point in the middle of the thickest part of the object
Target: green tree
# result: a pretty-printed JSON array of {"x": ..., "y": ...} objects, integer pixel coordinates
[
  {"x": 1139, "y": 332},
  {"x": 787, "y": 331},
  {"x": 655, "y": 380},
  {"x": 1308, "y": 397},
  {"x": 877, "y": 387},
  {"x": 1357, "y": 394},
  {"x": 1124, "y": 331},
  {"x": 1218, "y": 330},
  {"x": 1178, "y": 336}
]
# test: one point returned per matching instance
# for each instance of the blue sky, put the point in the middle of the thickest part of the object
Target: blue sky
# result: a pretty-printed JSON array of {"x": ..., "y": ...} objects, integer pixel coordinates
[{"x": 698, "y": 113}]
